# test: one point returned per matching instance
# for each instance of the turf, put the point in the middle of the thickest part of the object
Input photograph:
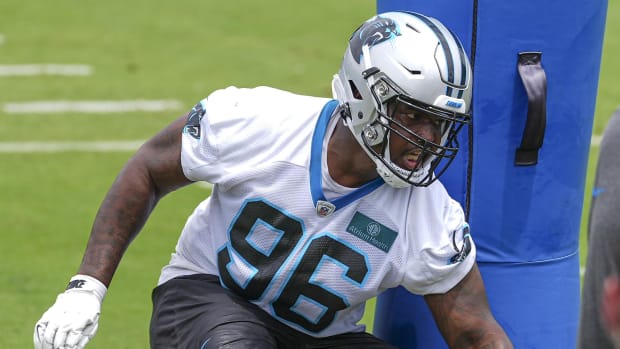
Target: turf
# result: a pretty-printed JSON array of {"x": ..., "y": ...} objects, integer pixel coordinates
[
  {"x": 172, "y": 50},
  {"x": 151, "y": 50}
]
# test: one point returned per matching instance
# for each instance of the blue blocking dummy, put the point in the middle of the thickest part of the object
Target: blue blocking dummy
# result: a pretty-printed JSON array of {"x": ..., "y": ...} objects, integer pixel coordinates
[{"x": 520, "y": 173}]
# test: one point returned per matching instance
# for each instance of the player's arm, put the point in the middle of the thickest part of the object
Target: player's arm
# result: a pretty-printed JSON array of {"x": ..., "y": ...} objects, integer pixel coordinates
[
  {"x": 154, "y": 171},
  {"x": 464, "y": 317},
  {"x": 151, "y": 173}
]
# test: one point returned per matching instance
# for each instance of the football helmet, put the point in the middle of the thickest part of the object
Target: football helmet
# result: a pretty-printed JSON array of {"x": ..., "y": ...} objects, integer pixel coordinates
[{"x": 408, "y": 58}]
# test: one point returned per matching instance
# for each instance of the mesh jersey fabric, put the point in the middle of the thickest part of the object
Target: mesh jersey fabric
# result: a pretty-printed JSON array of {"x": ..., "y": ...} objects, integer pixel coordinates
[{"x": 259, "y": 231}]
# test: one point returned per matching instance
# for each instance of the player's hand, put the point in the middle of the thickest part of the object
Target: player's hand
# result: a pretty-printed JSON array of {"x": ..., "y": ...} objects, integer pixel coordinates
[{"x": 73, "y": 320}]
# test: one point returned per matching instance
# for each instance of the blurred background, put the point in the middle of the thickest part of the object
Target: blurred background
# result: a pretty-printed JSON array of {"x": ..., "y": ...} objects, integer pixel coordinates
[{"x": 84, "y": 83}]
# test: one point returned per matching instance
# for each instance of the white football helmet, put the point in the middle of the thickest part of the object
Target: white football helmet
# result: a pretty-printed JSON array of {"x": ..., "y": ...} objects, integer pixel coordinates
[{"x": 404, "y": 57}]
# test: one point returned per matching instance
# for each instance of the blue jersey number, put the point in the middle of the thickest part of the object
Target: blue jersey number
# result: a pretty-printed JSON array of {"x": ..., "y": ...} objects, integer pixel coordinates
[{"x": 266, "y": 262}]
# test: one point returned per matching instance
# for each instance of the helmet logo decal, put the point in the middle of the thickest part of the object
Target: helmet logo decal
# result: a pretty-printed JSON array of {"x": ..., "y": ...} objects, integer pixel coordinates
[
  {"x": 372, "y": 33},
  {"x": 454, "y": 104}
]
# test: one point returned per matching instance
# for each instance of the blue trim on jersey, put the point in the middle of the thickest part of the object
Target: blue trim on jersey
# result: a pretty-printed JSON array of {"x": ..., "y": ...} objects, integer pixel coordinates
[
  {"x": 280, "y": 271},
  {"x": 265, "y": 251},
  {"x": 316, "y": 179},
  {"x": 235, "y": 264},
  {"x": 343, "y": 275},
  {"x": 299, "y": 303},
  {"x": 313, "y": 280}
]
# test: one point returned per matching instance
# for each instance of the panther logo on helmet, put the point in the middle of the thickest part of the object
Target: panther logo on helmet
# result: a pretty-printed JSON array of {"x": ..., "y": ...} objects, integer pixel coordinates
[{"x": 371, "y": 33}]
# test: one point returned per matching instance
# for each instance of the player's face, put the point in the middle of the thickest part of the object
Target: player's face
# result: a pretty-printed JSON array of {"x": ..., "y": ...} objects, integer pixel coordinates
[{"x": 404, "y": 151}]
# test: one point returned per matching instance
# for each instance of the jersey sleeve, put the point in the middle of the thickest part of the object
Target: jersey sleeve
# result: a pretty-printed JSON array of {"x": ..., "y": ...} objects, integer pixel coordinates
[
  {"x": 219, "y": 133},
  {"x": 444, "y": 251},
  {"x": 200, "y": 145},
  {"x": 235, "y": 130}
]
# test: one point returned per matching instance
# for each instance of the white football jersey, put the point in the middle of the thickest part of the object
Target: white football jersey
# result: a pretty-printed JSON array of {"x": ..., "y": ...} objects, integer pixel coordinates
[{"x": 271, "y": 234}]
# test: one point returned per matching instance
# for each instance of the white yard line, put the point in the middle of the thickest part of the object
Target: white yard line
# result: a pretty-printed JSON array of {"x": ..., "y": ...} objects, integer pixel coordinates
[
  {"x": 90, "y": 106},
  {"x": 95, "y": 146},
  {"x": 45, "y": 69},
  {"x": 98, "y": 146},
  {"x": 56, "y": 147},
  {"x": 2, "y": 39}
]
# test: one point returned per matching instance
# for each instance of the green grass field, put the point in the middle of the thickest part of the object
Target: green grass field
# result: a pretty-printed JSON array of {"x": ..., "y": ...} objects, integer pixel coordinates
[{"x": 156, "y": 51}]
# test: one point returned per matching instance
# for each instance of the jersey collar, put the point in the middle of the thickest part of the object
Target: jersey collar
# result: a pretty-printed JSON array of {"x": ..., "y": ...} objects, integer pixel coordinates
[{"x": 323, "y": 207}]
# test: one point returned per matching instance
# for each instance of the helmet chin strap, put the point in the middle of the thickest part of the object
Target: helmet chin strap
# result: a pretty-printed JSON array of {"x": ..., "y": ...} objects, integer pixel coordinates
[
  {"x": 392, "y": 167},
  {"x": 387, "y": 173}
]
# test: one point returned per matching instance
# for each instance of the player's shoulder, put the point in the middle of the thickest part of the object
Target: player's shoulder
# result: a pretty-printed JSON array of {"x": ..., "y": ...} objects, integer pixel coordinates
[
  {"x": 436, "y": 191},
  {"x": 431, "y": 200},
  {"x": 441, "y": 200},
  {"x": 242, "y": 93},
  {"x": 268, "y": 107},
  {"x": 255, "y": 97}
]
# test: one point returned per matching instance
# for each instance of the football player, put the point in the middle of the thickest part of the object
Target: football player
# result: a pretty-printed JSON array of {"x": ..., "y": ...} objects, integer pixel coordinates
[
  {"x": 318, "y": 205},
  {"x": 599, "y": 321}
]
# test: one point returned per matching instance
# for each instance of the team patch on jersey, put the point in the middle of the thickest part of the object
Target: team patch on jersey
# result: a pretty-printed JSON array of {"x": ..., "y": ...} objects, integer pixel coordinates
[
  {"x": 192, "y": 125},
  {"x": 372, "y": 232},
  {"x": 324, "y": 208},
  {"x": 463, "y": 251}
]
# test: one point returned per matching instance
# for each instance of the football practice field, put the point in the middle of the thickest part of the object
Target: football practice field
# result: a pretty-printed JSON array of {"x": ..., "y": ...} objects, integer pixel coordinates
[{"x": 84, "y": 83}]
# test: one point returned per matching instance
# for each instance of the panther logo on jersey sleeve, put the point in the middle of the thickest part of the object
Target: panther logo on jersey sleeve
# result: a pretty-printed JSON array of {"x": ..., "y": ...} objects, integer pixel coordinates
[
  {"x": 463, "y": 251},
  {"x": 192, "y": 125}
]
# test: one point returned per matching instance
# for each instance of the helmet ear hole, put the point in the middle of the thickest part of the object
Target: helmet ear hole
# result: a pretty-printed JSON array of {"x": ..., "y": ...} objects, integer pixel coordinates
[{"x": 356, "y": 92}]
